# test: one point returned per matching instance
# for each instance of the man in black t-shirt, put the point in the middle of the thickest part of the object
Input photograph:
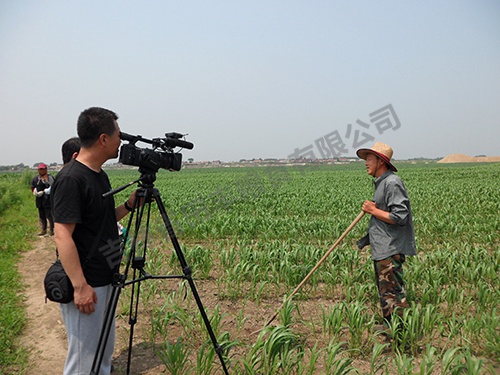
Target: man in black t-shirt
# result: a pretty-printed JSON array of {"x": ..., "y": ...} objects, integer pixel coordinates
[{"x": 81, "y": 214}]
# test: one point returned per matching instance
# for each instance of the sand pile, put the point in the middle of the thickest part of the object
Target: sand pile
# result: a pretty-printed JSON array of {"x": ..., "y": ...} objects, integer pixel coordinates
[{"x": 461, "y": 158}]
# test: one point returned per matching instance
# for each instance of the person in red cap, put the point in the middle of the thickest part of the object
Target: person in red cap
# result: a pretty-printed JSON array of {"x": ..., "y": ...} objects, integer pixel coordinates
[
  {"x": 40, "y": 186},
  {"x": 390, "y": 232}
]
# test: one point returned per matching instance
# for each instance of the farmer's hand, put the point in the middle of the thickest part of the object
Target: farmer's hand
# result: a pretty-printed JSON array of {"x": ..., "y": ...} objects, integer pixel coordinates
[{"x": 369, "y": 207}]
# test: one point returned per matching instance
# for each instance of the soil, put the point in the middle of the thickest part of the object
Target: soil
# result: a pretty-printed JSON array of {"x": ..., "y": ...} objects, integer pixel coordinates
[{"x": 44, "y": 335}]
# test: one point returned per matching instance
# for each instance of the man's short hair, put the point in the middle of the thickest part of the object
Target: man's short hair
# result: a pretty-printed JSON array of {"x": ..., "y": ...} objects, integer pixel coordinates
[
  {"x": 93, "y": 122},
  {"x": 69, "y": 148}
]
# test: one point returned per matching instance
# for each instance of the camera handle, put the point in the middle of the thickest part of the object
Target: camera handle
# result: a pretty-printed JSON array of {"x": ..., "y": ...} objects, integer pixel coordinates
[{"x": 149, "y": 193}]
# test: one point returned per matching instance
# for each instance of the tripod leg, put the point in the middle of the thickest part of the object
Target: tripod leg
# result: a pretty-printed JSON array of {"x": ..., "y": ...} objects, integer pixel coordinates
[
  {"x": 106, "y": 329},
  {"x": 113, "y": 302},
  {"x": 138, "y": 263},
  {"x": 187, "y": 275},
  {"x": 134, "y": 303}
]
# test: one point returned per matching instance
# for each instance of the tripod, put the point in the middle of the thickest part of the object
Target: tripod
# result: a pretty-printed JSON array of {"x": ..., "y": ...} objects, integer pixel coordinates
[{"x": 146, "y": 193}]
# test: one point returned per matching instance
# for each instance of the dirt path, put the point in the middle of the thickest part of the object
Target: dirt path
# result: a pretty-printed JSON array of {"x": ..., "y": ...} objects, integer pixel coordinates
[{"x": 44, "y": 335}]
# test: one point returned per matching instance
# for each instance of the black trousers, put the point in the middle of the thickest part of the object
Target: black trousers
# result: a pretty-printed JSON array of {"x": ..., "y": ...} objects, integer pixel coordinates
[{"x": 44, "y": 215}]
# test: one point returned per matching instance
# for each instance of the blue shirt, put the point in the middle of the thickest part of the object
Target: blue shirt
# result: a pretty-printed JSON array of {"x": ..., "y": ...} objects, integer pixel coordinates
[{"x": 390, "y": 239}]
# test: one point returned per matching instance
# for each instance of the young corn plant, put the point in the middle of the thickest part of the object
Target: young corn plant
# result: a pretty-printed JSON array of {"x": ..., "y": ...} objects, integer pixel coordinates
[
  {"x": 409, "y": 329},
  {"x": 175, "y": 357},
  {"x": 201, "y": 261},
  {"x": 206, "y": 361},
  {"x": 429, "y": 361},
  {"x": 453, "y": 328},
  {"x": 260, "y": 291},
  {"x": 449, "y": 361},
  {"x": 491, "y": 333},
  {"x": 357, "y": 321},
  {"x": 333, "y": 320},
  {"x": 309, "y": 367},
  {"x": 404, "y": 364},
  {"x": 286, "y": 312},
  {"x": 277, "y": 350},
  {"x": 337, "y": 360},
  {"x": 472, "y": 365},
  {"x": 378, "y": 361}
]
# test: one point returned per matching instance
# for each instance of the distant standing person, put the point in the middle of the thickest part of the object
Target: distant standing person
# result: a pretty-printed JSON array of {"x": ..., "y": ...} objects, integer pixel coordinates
[
  {"x": 40, "y": 186},
  {"x": 390, "y": 232}
]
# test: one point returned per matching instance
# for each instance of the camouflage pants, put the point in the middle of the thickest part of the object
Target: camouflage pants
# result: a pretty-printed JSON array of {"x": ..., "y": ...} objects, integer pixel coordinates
[{"x": 391, "y": 289}]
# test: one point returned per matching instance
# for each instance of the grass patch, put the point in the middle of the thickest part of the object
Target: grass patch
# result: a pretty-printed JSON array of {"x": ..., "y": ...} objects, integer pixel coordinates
[{"x": 16, "y": 225}]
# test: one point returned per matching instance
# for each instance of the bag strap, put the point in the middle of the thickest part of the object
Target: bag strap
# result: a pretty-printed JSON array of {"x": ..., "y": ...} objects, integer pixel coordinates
[{"x": 94, "y": 244}]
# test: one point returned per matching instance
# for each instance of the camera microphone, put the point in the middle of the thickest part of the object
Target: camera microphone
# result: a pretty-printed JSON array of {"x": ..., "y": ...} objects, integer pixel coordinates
[{"x": 172, "y": 142}]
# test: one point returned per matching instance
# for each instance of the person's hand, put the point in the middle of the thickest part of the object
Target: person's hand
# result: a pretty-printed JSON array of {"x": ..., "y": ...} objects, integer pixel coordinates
[
  {"x": 133, "y": 197},
  {"x": 38, "y": 193},
  {"x": 47, "y": 191},
  {"x": 85, "y": 298},
  {"x": 369, "y": 207}
]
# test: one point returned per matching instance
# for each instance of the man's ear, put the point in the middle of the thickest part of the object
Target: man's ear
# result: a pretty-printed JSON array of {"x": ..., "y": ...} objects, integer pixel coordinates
[{"x": 103, "y": 138}]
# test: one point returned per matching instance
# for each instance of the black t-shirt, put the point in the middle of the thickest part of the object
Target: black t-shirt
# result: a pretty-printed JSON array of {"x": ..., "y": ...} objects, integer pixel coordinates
[{"x": 77, "y": 198}]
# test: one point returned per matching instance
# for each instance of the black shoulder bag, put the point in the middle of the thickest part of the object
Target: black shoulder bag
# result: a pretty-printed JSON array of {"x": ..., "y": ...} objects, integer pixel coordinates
[{"x": 58, "y": 287}]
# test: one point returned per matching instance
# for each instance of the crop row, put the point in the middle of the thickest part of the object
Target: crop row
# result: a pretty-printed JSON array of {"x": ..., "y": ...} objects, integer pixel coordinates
[{"x": 252, "y": 234}]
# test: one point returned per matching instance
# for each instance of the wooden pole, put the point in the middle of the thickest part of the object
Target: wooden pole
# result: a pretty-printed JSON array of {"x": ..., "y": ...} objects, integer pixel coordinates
[{"x": 358, "y": 218}]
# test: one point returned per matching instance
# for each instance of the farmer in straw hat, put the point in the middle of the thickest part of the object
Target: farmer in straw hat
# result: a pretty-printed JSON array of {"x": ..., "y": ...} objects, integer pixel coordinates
[{"x": 390, "y": 232}]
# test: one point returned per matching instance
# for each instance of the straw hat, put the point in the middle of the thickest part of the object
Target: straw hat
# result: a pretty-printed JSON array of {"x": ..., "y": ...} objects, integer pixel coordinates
[{"x": 381, "y": 150}]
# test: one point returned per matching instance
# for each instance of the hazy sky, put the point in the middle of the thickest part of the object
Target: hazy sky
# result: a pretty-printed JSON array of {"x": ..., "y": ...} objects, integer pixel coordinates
[{"x": 253, "y": 79}]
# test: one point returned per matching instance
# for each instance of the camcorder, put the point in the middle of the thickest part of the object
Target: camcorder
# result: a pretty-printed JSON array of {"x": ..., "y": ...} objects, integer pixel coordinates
[{"x": 161, "y": 155}]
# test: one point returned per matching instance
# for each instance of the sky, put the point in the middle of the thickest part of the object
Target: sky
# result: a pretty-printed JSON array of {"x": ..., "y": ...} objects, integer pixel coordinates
[{"x": 254, "y": 79}]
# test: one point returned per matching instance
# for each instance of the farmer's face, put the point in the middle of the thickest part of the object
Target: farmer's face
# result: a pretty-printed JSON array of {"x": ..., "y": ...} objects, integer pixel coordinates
[{"x": 373, "y": 164}]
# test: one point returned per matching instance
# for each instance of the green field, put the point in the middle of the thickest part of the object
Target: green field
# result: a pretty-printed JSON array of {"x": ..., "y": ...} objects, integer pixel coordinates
[
  {"x": 16, "y": 224},
  {"x": 252, "y": 234}
]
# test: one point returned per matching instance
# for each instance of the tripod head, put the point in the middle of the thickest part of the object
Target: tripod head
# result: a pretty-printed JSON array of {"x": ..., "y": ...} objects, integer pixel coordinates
[
  {"x": 148, "y": 177},
  {"x": 146, "y": 181}
]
